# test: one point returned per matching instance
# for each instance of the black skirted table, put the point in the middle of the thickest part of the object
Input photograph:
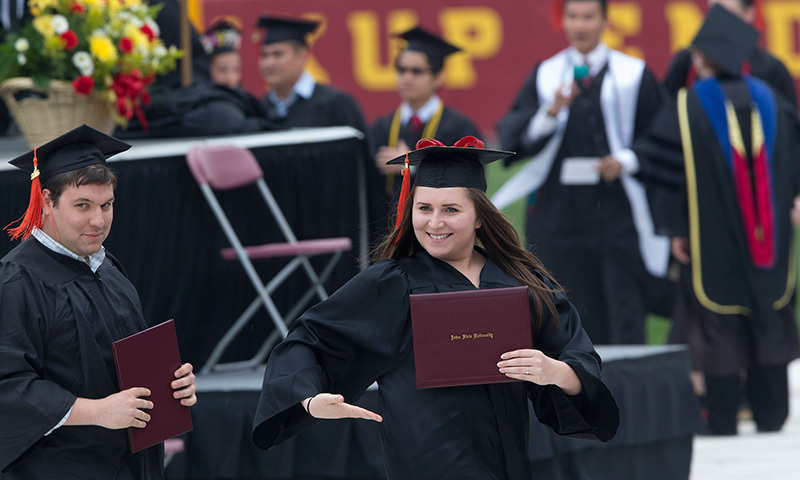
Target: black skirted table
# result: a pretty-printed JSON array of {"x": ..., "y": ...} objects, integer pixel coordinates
[
  {"x": 167, "y": 238},
  {"x": 659, "y": 417}
]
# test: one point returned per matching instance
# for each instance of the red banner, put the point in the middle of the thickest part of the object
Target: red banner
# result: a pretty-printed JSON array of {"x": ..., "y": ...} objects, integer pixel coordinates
[{"x": 502, "y": 40}]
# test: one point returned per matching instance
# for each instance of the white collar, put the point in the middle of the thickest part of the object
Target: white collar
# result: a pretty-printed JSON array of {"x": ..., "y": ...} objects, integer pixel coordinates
[
  {"x": 304, "y": 87},
  {"x": 424, "y": 113},
  {"x": 94, "y": 260},
  {"x": 597, "y": 58}
]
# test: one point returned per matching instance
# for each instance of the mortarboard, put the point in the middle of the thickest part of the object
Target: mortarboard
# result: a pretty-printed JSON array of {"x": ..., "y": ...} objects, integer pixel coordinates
[
  {"x": 440, "y": 166},
  {"x": 221, "y": 37},
  {"x": 281, "y": 29},
  {"x": 726, "y": 39},
  {"x": 78, "y": 148},
  {"x": 421, "y": 40}
]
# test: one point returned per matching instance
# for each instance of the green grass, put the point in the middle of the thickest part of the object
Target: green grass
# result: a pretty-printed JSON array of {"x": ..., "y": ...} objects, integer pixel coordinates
[{"x": 496, "y": 175}]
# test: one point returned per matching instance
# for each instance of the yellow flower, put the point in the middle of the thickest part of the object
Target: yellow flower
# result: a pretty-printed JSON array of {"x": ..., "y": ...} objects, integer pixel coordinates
[
  {"x": 94, "y": 3},
  {"x": 132, "y": 3},
  {"x": 38, "y": 6},
  {"x": 140, "y": 41},
  {"x": 44, "y": 25},
  {"x": 103, "y": 49}
]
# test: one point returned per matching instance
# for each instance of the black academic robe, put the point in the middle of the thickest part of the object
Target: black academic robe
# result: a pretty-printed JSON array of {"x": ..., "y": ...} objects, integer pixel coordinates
[
  {"x": 724, "y": 343},
  {"x": 362, "y": 334},
  {"x": 585, "y": 233},
  {"x": 453, "y": 126},
  {"x": 201, "y": 110},
  {"x": 57, "y": 322},
  {"x": 761, "y": 64},
  {"x": 327, "y": 107}
]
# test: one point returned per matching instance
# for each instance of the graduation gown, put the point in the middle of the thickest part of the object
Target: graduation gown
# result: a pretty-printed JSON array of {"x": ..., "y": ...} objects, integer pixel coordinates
[
  {"x": 201, "y": 110},
  {"x": 362, "y": 334},
  {"x": 327, "y": 107},
  {"x": 585, "y": 234},
  {"x": 57, "y": 322},
  {"x": 742, "y": 314}
]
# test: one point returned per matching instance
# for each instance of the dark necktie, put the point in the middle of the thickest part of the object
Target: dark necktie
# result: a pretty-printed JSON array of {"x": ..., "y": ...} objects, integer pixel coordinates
[{"x": 415, "y": 124}]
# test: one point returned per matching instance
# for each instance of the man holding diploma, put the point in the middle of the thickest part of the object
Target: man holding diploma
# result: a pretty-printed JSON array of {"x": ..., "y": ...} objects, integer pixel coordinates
[{"x": 63, "y": 300}]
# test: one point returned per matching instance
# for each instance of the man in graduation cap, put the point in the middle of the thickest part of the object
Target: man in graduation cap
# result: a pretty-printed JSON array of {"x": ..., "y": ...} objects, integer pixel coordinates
[
  {"x": 760, "y": 64},
  {"x": 63, "y": 300},
  {"x": 722, "y": 171},
  {"x": 422, "y": 114},
  {"x": 295, "y": 99},
  {"x": 448, "y": 237},
  {"x": 588, "y": 219}
]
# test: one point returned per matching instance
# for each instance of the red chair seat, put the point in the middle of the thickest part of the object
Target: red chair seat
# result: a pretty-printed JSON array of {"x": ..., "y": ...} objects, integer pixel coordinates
[{"x": 302, "y": 247}]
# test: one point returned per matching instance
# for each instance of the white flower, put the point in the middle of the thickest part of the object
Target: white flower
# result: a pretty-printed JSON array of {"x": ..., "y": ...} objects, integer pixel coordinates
[
  {"x": 21, "y": 59},
  {"x": 83, "y": 62},
  {"x": 59, "y": 24},
  {"x": 136, "y": 22},
  {"x": 21, "y": 45},
  {"x": 160, "y": 51}
]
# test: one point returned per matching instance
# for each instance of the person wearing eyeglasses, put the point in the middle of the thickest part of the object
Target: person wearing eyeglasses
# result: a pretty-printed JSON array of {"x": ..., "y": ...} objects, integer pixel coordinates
[{"x": 422, "y": 114}]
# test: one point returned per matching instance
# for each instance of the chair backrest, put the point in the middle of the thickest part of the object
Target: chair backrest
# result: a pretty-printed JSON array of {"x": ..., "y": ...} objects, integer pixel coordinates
[{"x": 223, "y": 167}]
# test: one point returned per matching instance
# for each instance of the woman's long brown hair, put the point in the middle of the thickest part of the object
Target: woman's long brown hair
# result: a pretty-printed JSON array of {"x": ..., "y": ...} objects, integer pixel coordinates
[{"x": 498, "y": 237}]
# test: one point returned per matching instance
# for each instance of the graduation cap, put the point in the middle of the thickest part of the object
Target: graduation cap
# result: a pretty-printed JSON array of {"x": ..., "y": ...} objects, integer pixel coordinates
[
  {"x": 421, "y": 40},
  {"x": 281, "y": 29},
  {"x": 78, "y": 148},
  {"x": 440, "y": 166},
  {"x": 726, "y": 39},
  {"x": 221, "y": 37}
]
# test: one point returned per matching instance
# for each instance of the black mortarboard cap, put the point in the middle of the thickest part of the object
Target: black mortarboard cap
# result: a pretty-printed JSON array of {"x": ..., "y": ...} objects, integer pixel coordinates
[
  {"x": 726, "y": 39},
  {"x": 281, "y": 29},
  {"x": 221, "y": 37},
  {"x": 421, "y": 40},
  {"x": 441, "y": 166},
  {"x": 80, "y": 147}
]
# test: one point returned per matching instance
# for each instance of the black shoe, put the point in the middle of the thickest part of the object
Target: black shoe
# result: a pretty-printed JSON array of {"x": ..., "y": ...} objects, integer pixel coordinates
[{"x": 706, "y": 431}]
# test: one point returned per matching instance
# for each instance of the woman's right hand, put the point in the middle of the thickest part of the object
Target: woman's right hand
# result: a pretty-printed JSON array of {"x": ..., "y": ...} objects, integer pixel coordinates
[{"x": 328, "y": 405}]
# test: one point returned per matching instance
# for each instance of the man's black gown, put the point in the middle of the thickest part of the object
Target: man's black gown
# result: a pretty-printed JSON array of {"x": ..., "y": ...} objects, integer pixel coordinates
[
  {"x": 326, "y": 107},
  {"x": 57, "y": 323},
  {"x": 362, "y": 334},
  {"x": 585, "y": 233}
]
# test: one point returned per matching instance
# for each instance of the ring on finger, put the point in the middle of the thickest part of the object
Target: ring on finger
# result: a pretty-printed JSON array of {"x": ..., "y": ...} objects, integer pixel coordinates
[{"x": 526, "y": 370}]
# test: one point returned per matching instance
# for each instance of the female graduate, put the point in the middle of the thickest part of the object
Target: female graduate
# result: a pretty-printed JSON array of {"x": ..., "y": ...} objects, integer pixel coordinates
[{"x": 448, "y": 237}]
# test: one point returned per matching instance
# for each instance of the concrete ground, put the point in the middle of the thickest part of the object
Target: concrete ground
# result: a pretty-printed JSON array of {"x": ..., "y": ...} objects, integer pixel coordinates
[{"x": 751, "y": 455}]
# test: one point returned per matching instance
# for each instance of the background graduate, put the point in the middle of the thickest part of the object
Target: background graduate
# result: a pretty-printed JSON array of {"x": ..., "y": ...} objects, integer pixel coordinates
[
  {"x": 295, "y": 98},
  {"x": 449, "y": 237},
  {"x": 583, "y": 108},
  {"x": 422, "y": 114},
  {"x": 721, "y": 168},
  {"x": 63, "y": 300}
]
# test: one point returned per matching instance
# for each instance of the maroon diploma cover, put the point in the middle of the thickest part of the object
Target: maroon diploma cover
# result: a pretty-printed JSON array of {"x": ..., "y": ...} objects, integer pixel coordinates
[
  {"x": 459, "y": 336},
  {"x": 149, "y": 359}
]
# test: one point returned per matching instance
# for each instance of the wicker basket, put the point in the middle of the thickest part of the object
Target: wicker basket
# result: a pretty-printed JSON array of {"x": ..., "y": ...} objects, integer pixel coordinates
[{"x": 43, "y": 119}]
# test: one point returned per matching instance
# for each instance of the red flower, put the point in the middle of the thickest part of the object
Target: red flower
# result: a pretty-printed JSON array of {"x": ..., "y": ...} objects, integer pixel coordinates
[
  {"x": 77, "y": 8},
  {"x": 83, "y": 85},
  {"x": 149, "y": 32},
  {"x": 125, "y": 45},
  {"x": 70, "y": 40}
]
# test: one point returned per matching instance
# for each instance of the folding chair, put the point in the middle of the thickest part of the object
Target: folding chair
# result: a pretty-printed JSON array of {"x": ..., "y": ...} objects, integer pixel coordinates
[{"x": 226, "y": 167}]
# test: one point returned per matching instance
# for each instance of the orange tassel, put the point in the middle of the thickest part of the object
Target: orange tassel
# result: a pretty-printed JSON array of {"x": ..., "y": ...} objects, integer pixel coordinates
[{"x": 33, "y": 215}]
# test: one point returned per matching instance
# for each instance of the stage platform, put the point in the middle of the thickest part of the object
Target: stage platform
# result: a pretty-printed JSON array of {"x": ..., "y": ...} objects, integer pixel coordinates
[{"x": 659, "y": 417}]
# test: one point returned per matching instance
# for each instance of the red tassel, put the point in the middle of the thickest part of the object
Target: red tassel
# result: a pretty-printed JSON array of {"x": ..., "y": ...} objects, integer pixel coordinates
[
  {"x": 759, "y": 22},
  {"x": 405, "y": 190},
  {"x": 33, "y": 215},
  {"x": 557, "y": 15}
]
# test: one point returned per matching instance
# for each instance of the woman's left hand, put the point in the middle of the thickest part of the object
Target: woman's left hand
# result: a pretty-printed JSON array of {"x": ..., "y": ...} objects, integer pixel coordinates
[
  {"x": 184, "y": 385},
  {"x": 534, "y": 366}
]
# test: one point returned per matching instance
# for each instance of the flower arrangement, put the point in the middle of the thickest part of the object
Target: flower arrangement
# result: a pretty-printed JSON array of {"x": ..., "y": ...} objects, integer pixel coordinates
[{"x": 109, "y": 48}]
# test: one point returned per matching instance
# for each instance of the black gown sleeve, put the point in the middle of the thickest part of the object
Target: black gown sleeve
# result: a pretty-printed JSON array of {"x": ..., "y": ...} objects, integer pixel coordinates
[
  {"x": 660, "y": 155},
  {"x": 512, "y": 126},
  {"x": 30, "y": 405},
  {"x": 593, "y": 413},
  {"x": 341, "y": 346},
  {"x": 678, "y": 73}
]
